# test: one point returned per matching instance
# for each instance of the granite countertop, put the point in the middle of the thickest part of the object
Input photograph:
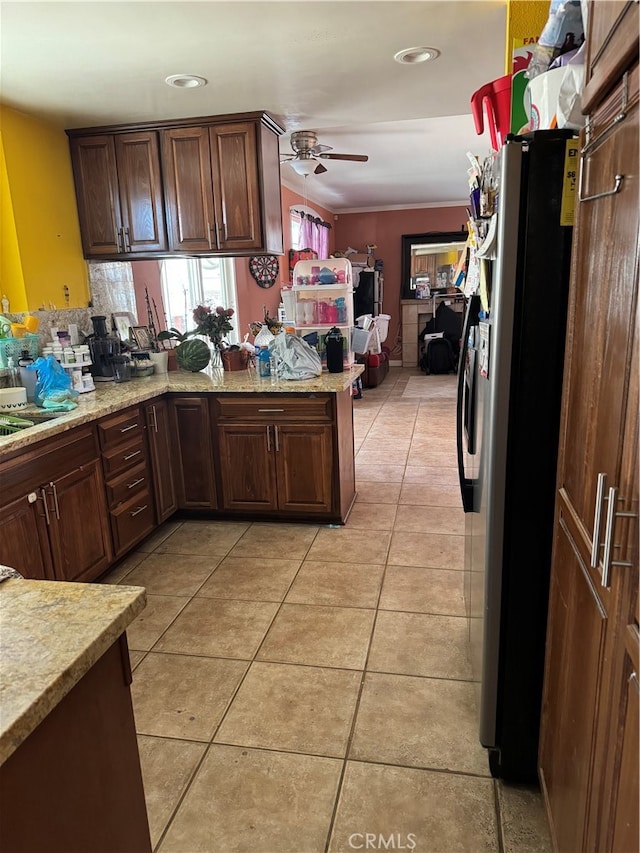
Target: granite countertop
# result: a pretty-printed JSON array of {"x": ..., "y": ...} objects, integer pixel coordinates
[
  {"x": 51, "y": 634},
  {"x": 111, "y": 397}
]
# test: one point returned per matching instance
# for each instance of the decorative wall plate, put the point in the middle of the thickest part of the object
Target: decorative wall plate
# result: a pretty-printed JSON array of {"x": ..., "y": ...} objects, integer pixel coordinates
[{"x": 264, "y": 269}]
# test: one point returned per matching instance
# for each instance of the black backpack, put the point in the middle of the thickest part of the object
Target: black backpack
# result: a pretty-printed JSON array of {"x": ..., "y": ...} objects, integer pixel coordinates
[{"x": 438, "y": 357}]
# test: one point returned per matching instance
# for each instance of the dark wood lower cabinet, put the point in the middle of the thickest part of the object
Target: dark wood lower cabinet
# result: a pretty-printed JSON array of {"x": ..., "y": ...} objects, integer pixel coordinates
[
  {"x": 247, "y": 468},
  {"x": 160, "y": 454},
  {"x": 193, "y": 452},
  {"x": 304, "y": 467},
  {"x": 24, "y": 544},
  {"x": 75, "y": 785},
  {"x": 78, "y": 525}
]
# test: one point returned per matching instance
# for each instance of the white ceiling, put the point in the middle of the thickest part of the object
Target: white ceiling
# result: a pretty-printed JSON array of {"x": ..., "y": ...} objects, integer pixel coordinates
[{"x": 323, "y": 66}]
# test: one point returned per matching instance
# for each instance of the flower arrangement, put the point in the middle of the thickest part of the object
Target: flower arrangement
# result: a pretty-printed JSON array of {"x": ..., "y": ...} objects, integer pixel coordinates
[{"x": 213, "y": 324}]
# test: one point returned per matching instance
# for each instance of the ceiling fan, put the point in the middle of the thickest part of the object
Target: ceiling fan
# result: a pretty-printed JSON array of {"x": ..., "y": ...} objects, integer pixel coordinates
[{"x": 306, "y": 149}]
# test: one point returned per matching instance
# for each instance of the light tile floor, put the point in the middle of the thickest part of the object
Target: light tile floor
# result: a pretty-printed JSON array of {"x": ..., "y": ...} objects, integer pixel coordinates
[{"x": 303, "y": 688}]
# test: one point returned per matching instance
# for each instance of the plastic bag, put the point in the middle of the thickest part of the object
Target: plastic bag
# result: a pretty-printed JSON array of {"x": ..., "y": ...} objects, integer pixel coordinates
[
  {"x": 295, "y": 359},
  {"x": 54, "y": 388}
]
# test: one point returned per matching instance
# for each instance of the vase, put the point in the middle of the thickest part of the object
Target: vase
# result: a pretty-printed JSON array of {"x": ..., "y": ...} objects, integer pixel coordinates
[{"x": 216, "y": 358}]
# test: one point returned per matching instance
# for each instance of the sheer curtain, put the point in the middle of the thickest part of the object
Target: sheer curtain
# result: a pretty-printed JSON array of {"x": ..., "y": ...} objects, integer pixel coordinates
[{"x": 314, "y": 234}]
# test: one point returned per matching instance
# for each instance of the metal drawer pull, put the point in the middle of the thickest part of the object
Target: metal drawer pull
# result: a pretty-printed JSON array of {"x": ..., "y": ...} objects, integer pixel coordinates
[
  {"x": 607, "y": 562},
  {"x": 55, "y": 500},
  {"x": 595, "y": 544},
  {"x": 46, "y": 508},
  {"x": 268, "y": 438},
  {"x": 126, "y": 429},
  {"x": 277, "y": 432},
  {"x": 270, "y": 410},
  {"x": 138, "y": 511},
  {"x": 131, "y": 455},
  {"x": 136, "y": 483}
]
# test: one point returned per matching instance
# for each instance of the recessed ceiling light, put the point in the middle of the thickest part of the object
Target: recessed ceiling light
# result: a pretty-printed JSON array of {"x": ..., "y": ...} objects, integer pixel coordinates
[
  {"x": 185, "y": 81},
  {"x": 412, "y": 55}
]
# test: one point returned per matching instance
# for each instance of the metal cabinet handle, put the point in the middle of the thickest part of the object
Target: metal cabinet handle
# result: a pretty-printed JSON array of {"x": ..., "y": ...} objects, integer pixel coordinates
[
  {"x": 55, "y": 500},
  {"x": 269, "y": 411},
  {"x": 218, "y": 236},
  {"x": 118, "y": 244},
  {"x": 616, "y": 189},
  {"x": 607, "y": 562},
  {"x": 127, "y": 242},
  {"x": 138, "y": 511},
  {"x": 595, "y": 543},
  {"x": 43, "y": 493},
  {"x": 209, "y": 235},
  {"x": 126, "y": 429},
  {"x": 155, "y": 419},
  {"x": 131, "y": 455},
  {"x": 277, "y": 432},
  {"x": 135, "y": 483},
  {"x": 268, "y": 438}
]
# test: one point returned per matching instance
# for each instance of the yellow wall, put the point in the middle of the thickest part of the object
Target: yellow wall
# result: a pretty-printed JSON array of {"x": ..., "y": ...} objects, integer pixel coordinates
[
  {"x": 41, "y": 248},
  {"x": 524, "y": 18}
]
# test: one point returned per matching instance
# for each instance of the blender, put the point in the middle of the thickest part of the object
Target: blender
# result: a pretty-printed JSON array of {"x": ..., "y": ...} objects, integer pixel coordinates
[{"x": 103, "y": 348}]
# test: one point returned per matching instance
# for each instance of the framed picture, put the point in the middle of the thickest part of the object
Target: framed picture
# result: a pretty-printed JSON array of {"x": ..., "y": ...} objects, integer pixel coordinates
[
  {"x": 123, "y": 321},
  {"x": 141, "y": 337}
]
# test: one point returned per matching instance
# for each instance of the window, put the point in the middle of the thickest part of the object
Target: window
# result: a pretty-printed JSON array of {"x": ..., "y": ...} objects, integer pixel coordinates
[
  {"x": 308, "y": 231},
  {"x": 187, "y": 282}
]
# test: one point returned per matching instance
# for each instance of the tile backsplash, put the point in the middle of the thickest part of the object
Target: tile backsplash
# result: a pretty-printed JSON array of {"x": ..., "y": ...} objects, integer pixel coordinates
[{"x": 111, "y": 286}]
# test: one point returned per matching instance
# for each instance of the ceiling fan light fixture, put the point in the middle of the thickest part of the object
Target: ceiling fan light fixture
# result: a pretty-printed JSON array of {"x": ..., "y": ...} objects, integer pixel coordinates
[
  {"x": 185, "y": 81},
  {"x": 415, "y": 55},
  {"x": 306, "y": 166}
]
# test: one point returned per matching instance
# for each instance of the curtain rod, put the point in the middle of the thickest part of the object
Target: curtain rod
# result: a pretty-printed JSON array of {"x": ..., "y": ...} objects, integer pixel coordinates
[{"x": 311, "y": 218}]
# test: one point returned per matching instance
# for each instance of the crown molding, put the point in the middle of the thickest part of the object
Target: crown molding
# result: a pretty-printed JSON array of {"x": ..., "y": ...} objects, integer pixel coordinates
[{"x": 427, "y": 204}]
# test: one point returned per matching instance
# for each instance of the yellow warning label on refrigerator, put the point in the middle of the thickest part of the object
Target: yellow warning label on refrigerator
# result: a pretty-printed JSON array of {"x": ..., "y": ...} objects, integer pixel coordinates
[{"x": 569, "y": 182}]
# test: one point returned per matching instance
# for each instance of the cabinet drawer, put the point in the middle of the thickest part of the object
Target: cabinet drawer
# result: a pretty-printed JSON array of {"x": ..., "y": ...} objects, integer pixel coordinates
[
  {"x": 120, "y": 428},
  {"x": 275, "y": 407},
  {"x": 120, "y": 459},
  {"x": 132, "y": 521},
  {"x": 127, "y": 485}
]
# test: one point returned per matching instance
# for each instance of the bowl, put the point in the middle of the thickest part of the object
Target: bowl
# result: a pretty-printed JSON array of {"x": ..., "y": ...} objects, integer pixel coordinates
[
  {"x": 13, "y": 399},
  {"x": 140, "y": 369}
]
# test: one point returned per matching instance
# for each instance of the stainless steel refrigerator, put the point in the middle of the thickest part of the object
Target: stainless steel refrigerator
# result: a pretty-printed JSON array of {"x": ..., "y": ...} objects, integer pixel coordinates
[{"x": 509, "y": 392}]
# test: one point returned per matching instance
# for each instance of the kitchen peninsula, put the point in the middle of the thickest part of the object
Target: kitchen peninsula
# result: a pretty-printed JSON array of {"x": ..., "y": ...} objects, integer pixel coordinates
[
  {"x": 70, "y": 777},
  {"x": 83, "y": 489}
]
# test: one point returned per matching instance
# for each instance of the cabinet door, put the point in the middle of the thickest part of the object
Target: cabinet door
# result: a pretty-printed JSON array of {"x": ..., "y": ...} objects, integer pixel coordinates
[
  {"x": 159, "y": 434},
  {"x": 141, "y": 199},
  {"x": 79, "y": 526},
  {"x": 24, "y": 544},
  {"x": 247, "y": 468},
  {"x": 236, "y": 189},
  {"x": 575, "y": 643},
  {"x": 304, "y": 465},
  {"x": 189, "y": 194},
  {"x": 192, "y": 453},
  {"x": 96, "y": 181},
  {"x": 602, "y": 313}
]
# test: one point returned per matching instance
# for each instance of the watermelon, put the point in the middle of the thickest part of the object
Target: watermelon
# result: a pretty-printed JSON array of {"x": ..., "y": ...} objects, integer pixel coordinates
[{"x": 193, "y": 355}]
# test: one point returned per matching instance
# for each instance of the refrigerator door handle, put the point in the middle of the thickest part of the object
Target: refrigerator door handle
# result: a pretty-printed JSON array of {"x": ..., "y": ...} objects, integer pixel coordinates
[{"x": 466, "y": 484}]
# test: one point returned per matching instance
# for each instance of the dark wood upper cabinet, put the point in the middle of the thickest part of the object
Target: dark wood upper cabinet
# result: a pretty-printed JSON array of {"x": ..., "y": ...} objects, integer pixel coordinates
[
  {"x": 215, "y": 181},
  {"x": 119, "y": 194}
]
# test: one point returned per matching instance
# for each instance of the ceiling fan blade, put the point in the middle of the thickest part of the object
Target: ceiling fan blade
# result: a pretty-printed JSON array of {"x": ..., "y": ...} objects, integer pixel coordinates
[
  {"x": 319, "y": 169},
  {"x": 360, "y": 158},
  {"x": 318, "y": 149},
  {"x": 284, "y": 158}
]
